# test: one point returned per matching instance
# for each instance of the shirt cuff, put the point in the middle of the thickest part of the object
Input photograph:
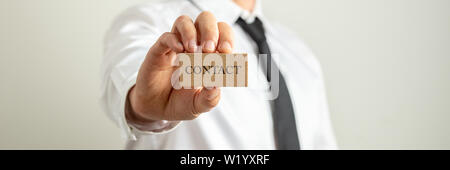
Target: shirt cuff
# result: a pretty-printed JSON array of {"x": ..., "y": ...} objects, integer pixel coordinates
[
  {"x": 158, "y": 127},
  {"x": 133, "y": 131}
]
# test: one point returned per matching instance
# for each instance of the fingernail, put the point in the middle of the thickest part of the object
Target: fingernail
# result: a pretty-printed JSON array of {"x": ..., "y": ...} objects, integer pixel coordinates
[
  {"x": 179, "y": 45},
  {"x": 209, "y": 45},
  {"x": 193, "y": 45},
  {"x": 225, "y": 46}
]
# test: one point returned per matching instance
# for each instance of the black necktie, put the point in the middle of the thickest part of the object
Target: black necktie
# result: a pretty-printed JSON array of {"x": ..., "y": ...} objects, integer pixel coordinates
[{"x": 286, "y": 136}]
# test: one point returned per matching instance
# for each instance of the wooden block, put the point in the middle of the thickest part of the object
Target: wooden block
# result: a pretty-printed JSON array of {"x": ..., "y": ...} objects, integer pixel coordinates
[{"x": 211, "y": 70}]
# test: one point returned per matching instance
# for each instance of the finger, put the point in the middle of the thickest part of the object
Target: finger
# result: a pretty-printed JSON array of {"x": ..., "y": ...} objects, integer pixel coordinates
[
  {"x": 206, "y": 99},
  {"x": 206, "y": 25},
  {"x": 185, "y": 28},
  {"x": 166, "y": 43},
  {"x": 226, "y": 38}
]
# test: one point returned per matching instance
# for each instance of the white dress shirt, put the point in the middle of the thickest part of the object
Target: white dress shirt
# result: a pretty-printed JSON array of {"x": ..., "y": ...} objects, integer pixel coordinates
[{"x": 243, "y": 117}]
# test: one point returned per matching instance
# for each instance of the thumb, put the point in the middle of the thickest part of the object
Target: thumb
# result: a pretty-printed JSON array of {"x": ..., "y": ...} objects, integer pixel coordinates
[{"x": 206, "y": 99}]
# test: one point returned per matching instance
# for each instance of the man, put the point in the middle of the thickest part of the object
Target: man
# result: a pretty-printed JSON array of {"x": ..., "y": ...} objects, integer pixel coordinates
[{"x": 140, "y": 50}]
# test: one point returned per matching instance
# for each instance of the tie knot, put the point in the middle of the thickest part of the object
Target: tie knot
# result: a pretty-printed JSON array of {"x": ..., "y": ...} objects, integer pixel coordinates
[{"x": 255, "y": 29}]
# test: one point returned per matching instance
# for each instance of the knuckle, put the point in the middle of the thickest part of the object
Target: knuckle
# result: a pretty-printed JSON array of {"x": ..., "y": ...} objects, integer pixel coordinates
[
  {"x": 183, "y": 18},
  {"x": 206, "y": 14},
  {"x": 212, "y": 103},
  {"x": 166, "y": 38},
  {"x": 192, "y": 116},
  {"x": 166, "y": 35},
  {"x": 204, "y": 17}
]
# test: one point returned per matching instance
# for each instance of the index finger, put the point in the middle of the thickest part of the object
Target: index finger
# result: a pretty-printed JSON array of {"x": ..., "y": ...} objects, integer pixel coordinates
[{"x": 185, "y": 29}]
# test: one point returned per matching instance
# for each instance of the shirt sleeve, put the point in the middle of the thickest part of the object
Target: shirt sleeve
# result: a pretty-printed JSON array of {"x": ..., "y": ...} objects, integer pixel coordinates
[{"x": 125, "y": 46}]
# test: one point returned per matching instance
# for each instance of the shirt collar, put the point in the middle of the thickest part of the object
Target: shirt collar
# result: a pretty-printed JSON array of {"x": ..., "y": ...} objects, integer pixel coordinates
[{"x": 227, "y": 11}]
